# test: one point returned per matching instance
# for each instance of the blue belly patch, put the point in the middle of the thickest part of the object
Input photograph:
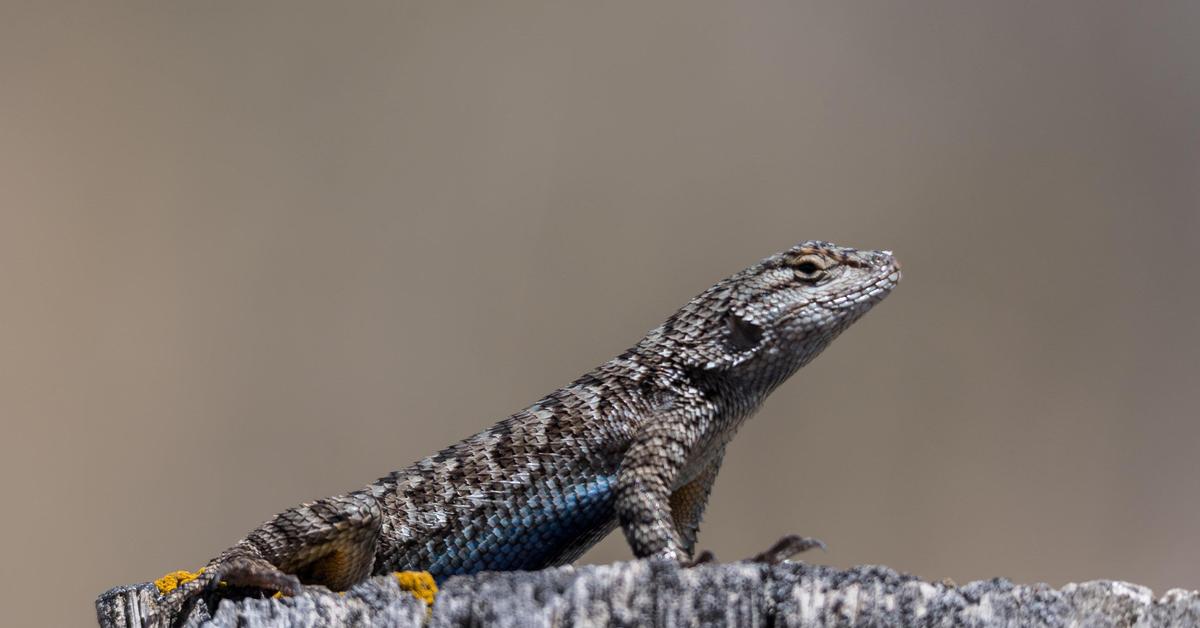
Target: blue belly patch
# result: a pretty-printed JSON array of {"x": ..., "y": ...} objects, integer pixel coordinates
[{"x": 528, "y": 536}]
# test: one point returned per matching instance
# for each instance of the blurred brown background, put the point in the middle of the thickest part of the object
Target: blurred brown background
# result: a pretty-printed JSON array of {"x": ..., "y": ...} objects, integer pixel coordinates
[{"x": 252, "y": 254}]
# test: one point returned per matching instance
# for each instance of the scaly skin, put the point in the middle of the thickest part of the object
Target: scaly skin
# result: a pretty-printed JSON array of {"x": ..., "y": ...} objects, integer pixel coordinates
[{"x": 637, "y": 442}]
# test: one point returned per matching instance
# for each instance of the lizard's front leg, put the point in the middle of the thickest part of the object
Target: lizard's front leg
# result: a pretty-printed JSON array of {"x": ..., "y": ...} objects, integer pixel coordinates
[
  {"x": 647, "y": 477},
  {"x": 687, "y": 506},
  {"x": 661, "y": 520}
]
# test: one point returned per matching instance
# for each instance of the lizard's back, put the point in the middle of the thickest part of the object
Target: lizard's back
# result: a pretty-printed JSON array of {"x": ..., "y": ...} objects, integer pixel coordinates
[{"x": 534, "y": 490}]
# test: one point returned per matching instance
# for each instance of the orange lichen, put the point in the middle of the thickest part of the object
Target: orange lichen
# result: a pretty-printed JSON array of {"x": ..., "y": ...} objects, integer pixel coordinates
[
  {"x": 173, "y": 580},
  {"x": 419, "y": 583}
]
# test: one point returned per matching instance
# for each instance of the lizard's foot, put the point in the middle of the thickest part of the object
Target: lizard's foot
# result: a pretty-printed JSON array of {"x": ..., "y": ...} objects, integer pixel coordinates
[
  {"x": 245, "y": 571},
  {"x": 419, "y": 583},
  {"x": 787, "y": 547},
  {"x": 782, "y": 550},
  {"x": 179, "y": 588}
]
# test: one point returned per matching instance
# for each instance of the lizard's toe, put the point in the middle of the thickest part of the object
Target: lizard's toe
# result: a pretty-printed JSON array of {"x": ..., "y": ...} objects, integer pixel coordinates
[{"x": 787, "y": 547}]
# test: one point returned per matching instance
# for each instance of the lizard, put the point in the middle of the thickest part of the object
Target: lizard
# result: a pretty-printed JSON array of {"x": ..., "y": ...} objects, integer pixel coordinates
[{"x": 636, "y": 442}]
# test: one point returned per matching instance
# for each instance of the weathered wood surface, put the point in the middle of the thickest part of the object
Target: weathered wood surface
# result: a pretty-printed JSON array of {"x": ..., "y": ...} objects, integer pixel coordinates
[{"x": 641, "y": 593}]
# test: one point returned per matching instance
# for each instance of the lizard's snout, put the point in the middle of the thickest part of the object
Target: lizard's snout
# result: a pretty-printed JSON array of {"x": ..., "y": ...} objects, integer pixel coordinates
[
  {"x": 889, "y": 261},
  {"x": 886, "y": 259}
]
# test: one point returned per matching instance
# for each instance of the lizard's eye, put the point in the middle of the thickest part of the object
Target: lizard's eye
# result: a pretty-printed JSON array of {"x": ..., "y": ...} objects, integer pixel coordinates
[{"x": 810, "y": 268}]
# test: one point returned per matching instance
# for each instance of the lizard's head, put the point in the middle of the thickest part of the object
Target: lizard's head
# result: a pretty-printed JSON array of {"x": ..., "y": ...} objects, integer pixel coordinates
[{"x": 772, "y": 318}]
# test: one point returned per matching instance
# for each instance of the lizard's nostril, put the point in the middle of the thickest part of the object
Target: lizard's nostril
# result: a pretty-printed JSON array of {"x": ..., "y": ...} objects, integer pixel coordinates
[{"x": 886, "y": 258}]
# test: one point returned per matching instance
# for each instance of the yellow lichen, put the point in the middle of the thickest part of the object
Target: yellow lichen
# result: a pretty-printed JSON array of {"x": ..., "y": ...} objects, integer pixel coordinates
[
  {"x": 418, "y": 583},
  {"x": 173, "y": 580}
]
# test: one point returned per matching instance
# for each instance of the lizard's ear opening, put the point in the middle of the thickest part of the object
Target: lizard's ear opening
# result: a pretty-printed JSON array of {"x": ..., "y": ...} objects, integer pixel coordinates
[{"x": 743, "y": 335}]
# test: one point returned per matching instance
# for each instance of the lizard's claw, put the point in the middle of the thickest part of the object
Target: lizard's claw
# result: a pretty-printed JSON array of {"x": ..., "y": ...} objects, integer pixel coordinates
[{"x": 787, "y": 547}]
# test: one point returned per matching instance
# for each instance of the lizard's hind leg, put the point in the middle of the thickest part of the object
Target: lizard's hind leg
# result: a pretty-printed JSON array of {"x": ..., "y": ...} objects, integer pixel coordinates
[{"x": 330, "y": 542}]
